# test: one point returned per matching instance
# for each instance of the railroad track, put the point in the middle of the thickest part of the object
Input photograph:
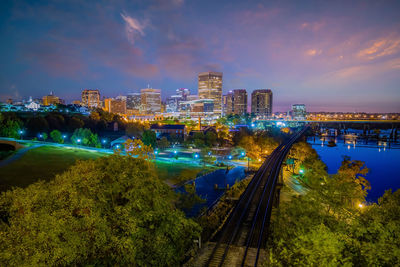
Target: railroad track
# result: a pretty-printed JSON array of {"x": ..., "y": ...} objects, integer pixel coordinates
[{"x": 244, "y": 232}]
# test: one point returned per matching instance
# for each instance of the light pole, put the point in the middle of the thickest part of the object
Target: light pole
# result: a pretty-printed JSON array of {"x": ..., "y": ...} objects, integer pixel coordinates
[
  {"x": 21, "y": 132},
  {"x": 104, "y": 141},
  {"x": 78, "y": 141}
]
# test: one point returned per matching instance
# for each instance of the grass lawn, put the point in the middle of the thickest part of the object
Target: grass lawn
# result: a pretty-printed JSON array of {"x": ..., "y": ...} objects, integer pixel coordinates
[
  {"x": 41, "y": 163},
  {"x": 175, "y": 173}
]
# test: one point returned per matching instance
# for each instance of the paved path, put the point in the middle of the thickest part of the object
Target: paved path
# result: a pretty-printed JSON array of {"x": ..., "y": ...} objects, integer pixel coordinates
[{"x": 17, "y": 155}]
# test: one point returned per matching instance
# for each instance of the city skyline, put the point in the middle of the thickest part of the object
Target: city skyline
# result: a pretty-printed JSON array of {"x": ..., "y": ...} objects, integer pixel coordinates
[{"x": 330, "y": 56}]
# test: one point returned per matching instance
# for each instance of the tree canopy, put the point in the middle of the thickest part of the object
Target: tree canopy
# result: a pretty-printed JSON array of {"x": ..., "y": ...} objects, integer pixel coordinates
[
  {"x": 109, "y": 211},
  {"x": 329, "y": 223}
]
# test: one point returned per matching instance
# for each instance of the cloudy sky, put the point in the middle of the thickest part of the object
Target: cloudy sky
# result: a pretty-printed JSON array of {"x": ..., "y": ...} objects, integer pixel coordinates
[{"x": 330, "y": 55}]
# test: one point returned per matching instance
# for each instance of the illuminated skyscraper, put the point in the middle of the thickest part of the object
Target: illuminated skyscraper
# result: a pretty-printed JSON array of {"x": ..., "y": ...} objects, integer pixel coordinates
[
  {"x": 261, "y": 102},
  {"x": 91, "y": 98},
  {"x": 151, "y": 100},
  {"x": 133, "y": 102},
  {"x": 236, "y": 102},
  {"x": 210, "y": 87},
  {"x": 51, "y": 99},
  {"x": 115, "y": 105}
]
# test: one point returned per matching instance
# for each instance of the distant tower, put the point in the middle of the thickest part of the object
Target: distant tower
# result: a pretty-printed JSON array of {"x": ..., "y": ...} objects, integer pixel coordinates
[
  {"x": 261, "y": 102},
  {"x": 151, "y": 100},
  {"x": 236, "y": 102},
  {"x": 210, "y": 87},
  {"x": 91, "y": 98}
]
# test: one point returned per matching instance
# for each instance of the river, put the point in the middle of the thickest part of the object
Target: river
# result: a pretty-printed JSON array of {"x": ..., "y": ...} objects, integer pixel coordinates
[
  {"x": 383, "y": 162},
  {"x": 205, "y": 186}
]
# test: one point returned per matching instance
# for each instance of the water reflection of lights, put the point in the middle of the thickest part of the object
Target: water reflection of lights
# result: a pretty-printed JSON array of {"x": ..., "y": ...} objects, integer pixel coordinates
[
  {"x": 348, "y": 146},
  {"x": 379, "y": 149}
]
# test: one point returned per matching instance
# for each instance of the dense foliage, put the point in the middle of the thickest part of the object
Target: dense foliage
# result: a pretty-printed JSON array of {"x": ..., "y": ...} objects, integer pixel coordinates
[
  {"x": 329, "y": 224},
  {"x": 109, "y": 211},
  {"x": 85, "y": 137}
]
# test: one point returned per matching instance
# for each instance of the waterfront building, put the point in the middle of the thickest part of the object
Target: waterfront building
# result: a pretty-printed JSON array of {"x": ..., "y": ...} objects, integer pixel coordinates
[
  {"x": 236, "y": 102},
  {"x": 91, "y": 98},
  {"x": 261, "y": 102},
  {"x": 51, "y": 99},
  {"x": 151, "y": 101},
  {"x": 210, "y": 87}
]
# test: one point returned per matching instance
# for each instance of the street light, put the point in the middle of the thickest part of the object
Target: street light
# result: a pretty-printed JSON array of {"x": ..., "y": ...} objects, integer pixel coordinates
[
  {"x": 209, "y": 153},
  {"x": 78, "y": 140},
  {"x": 230, "y": 157},
  {"x": 301, "y": 171},
  {"x": 155, "y": 152},
  {"x": 21, "y": 132}
]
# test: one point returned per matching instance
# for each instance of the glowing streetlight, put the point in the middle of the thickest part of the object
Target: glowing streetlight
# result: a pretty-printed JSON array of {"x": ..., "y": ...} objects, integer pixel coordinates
[
  {"x": 209, "y": 153},
  {"x": 242, "y": 154},
  {"x": 301, "y": 171},
  {"x": 175, "y": 152},
  {"x": 64, "y": 136},
  {"x": 155, "y": 152},
  {"x": 78, "y": 140},
  {"x": 21, "y": 132},
  {"x": 360, "y": 205},
  {"x": 230, "y": 157},
  {"x": 253, "y": 125},
  {"x": 196, "y": 156},
  {"x": 104, "y": 141},
  {"x": 117, "y": 146}
]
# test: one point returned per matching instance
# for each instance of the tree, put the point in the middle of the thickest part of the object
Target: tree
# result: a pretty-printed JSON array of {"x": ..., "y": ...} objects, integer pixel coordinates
[
  {"x": 84, "y": 136},
  {"x": 75, "y": 123},
  {"x": 328, "y": 225},
  {"x": 10, "y": 128},
  {"x": 163, "y": 143},
  {"x": 135, "y": 129},
  {"x": 111, "y": 211},
  {"x": 210, "y": 138},
  {"x": 136, "y": 148},
  {"x": 149, "y": 138},
  {"x": 56, "y": 136},
  {"x": 44, "y": 136},
  {"x": 37, "y": 124}
]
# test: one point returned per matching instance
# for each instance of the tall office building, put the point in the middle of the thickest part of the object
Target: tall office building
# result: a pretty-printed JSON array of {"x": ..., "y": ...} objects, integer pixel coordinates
[
  {"x": 236, "y": 102},
  {"x": 91, "y": 98},
  {"x": 51, "y": 99},
  {"x": 115, "y": 105},
  {"x": 210, "y": 87},
  {"x": 151, "y": 100},
  {"x": 133, "y": 102},
  {"x": 261, "y": 102}
]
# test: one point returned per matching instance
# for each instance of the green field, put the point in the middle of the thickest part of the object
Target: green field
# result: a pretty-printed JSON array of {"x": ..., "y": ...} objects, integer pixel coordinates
[{"x": 43, "y": 163}]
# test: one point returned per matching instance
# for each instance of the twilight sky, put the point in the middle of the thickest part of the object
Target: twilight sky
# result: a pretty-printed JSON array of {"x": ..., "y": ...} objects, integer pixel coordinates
[{"x": 330, "y": 55}]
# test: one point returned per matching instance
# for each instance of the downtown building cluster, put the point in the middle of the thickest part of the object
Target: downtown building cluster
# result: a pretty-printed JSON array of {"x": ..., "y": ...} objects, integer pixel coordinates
[{"x": 209, "y": 103}]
